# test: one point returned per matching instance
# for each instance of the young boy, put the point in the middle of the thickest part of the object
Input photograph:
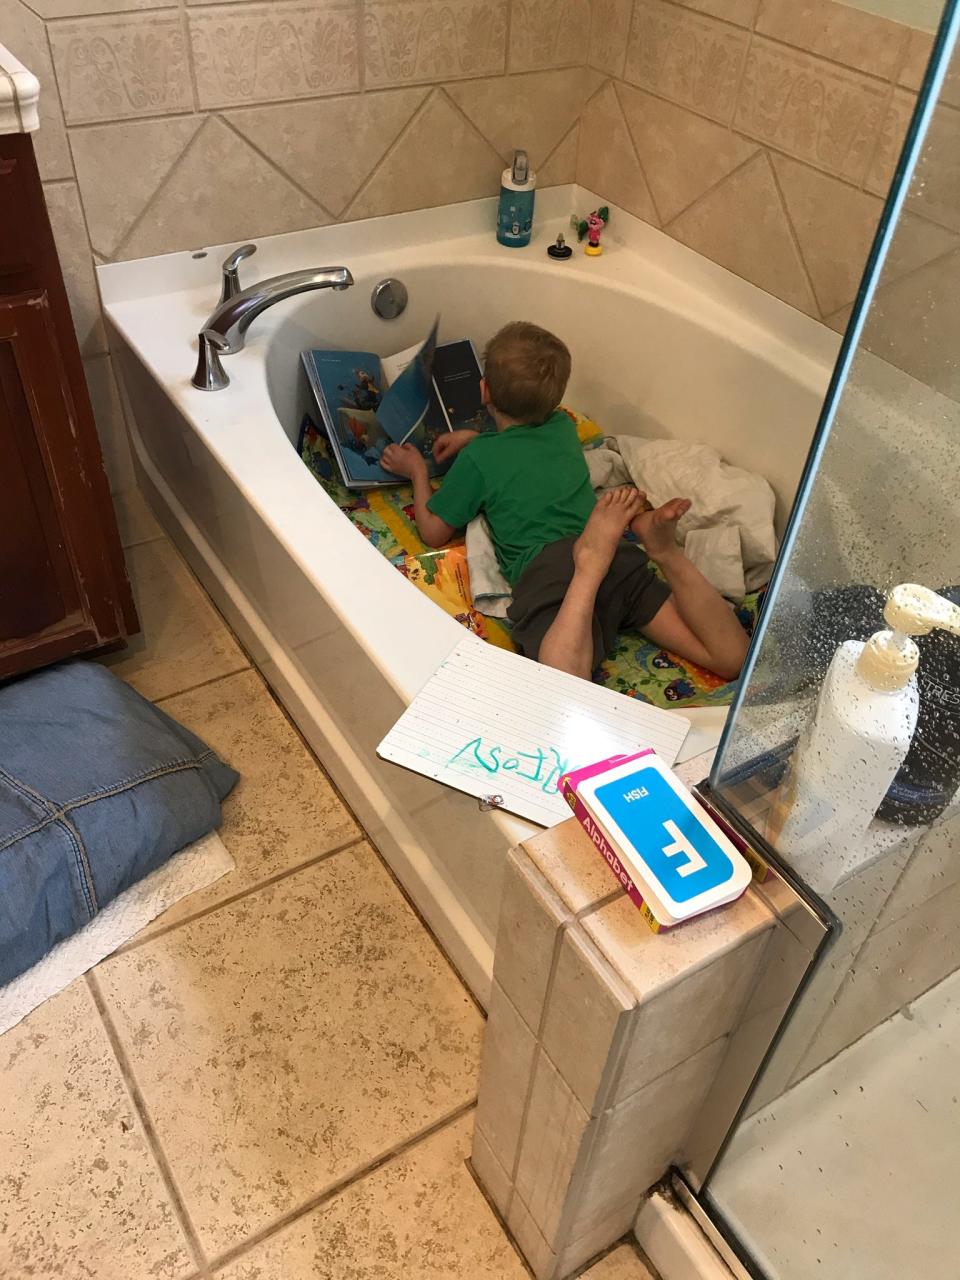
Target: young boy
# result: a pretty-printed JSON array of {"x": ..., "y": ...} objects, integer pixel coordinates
[{"x": 576, "y": 581}]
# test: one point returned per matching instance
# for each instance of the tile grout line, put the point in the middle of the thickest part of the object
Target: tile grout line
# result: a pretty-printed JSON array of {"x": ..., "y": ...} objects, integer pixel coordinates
[
  {"x": 153, "y": 1140},
  {"x": 164, "y": 181},
  {"x": 274, "y": 165},
  {"x": 201, "y": 684},
  {"x": 711, "y": 189},
  {"x": 636, "y": 154},
  {"x": 338, "y": 1187},
  {"x": 815, "y": 297},
  {"x": 136, "y": 943},
  {"x": 421, "y": 108}
]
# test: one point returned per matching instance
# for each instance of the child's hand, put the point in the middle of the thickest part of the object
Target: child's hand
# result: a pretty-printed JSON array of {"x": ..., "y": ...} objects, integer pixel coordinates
[
  {"x": 657, "y": 530},
  {"x": 403, "y": 460},
  {"x": 451, "y": 442}
]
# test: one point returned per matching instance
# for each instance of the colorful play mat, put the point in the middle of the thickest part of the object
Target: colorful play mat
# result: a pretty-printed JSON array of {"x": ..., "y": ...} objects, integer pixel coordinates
[{"x": 385, "y": 518}]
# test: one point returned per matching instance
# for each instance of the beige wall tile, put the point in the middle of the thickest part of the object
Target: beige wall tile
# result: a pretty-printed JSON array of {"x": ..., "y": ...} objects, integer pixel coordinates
[
  {"x": 534, "y": 111},
  {"x": 548, "y": 33},
  {"x": 540, "y": 1258},
  {"x": 25, "y": 36},
  {"x": 287, "y": 49},
  {"x": 377, "y": 1040},
  {"x": 768, "y": 256},
  {"x": 668, "y": 1029},
  {"x": 509, "y": 1048},
  {"x": 569, "y": 863},
  {"x": 183, "y": 640},
  {"x": 609, "y": 33},
  {"x": 612, "y": 170},
  {"x": 915, "y": 58},
  {"x": 492, "y": 1176},
  {"x": 639, "y": 1139},
  {"x": 119, "y": 169},
  {"x": 553, "y": 1136},
  {"x": 307, "y": 139},
  {"x": 810, "y": 108},
  {"x": 741, "y": 12},
  {"x": 414, "y": 41},
  {"x": 84, "y": 8},
  {"x": 420, "y": 1215},
  {"x": 587, "y": 1019},
  {"x": 530, "y": 915},
  {"x": 73, "y": 250},
  {"x": 219, "y": 190},
  {"x": 687, "y": 57},
  {"x": 893, "y": 130},
  {"x": 439, "y": 159},
  {"x": 934, "y": 866},
  {"x": 111, "y": 427},
  {"x": 82, "y": 1192},
  {"x": 561, "y": 166},
  {"x": 935, "y": 189},
  {"x": 283, "y": 811},
  {"x": 682, "y": 154},
  {"x": 115, "y": 68},
  {"x": 836, "y": 31}
]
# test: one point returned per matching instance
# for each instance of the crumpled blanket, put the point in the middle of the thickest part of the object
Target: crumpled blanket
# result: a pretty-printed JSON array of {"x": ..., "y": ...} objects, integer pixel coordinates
[{"x": 728, "y": 533}]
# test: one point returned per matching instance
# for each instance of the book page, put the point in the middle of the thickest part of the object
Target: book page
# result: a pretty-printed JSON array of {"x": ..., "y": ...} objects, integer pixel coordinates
[{"x": 494, "y": 724}]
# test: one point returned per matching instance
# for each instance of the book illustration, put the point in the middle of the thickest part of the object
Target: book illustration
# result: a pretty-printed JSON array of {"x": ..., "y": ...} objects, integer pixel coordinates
[{"x": 457, "y": 376}]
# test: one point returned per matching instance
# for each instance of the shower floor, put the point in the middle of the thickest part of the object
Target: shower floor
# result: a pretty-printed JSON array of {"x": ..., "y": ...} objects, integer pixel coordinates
[{"x": 867, "y": 1148}]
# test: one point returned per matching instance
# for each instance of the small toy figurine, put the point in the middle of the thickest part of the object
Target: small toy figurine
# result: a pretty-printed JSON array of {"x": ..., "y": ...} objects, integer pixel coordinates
[{"x": 591, "y": 227}]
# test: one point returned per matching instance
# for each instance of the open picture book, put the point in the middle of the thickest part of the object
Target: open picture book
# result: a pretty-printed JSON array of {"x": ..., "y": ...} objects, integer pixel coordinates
[{"x": 363, "y": 403}]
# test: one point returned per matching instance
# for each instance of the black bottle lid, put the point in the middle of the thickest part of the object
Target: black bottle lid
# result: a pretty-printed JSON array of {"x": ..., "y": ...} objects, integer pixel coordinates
[{"x": 561, "y": 249}]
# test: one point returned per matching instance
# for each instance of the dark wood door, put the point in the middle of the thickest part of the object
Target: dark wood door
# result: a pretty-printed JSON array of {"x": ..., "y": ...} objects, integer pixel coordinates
[{"x": 63, "y": 587}]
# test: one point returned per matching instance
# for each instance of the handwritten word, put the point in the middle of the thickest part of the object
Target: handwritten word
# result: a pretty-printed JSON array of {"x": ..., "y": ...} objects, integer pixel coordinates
[{"x": 543, "y": 766}]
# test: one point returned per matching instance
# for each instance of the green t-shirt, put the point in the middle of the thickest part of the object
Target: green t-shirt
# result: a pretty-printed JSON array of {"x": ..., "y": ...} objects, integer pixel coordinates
[{"x": 531, "y": 483}]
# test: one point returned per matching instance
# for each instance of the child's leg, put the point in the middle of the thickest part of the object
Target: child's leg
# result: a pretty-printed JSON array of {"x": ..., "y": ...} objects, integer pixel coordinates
[{"x": 568, "y": 644}]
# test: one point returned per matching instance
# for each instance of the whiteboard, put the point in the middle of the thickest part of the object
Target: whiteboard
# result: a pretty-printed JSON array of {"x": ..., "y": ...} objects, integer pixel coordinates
[{"x": 494, "y": 724}]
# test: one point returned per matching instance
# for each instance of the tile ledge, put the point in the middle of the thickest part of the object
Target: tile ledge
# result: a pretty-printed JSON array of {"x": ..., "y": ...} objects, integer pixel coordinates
[{"x": 19, "y": 96}]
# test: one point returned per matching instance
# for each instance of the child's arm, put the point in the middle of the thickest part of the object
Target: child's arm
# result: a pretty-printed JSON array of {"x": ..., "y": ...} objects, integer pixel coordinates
[
  {"x": 696, "y": 622},
  {"x": 407, "y": 460}
]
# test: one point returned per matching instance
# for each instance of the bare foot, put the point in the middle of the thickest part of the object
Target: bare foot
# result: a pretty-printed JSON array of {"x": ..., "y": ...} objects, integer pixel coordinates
[
  {"x": 657, "y": 529},
  {"x": 595, "y": 548}
]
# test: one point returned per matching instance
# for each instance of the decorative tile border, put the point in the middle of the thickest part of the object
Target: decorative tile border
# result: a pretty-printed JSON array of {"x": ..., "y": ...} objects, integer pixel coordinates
[{"x": 416, "y": 41}]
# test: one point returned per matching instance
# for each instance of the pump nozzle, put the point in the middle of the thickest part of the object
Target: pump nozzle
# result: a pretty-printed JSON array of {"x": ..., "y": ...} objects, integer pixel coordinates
[{"x": 916, "y": 611}]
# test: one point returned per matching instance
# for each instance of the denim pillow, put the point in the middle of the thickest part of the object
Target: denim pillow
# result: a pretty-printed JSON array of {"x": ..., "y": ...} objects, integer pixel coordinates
[{"x": 98, "y": 788}]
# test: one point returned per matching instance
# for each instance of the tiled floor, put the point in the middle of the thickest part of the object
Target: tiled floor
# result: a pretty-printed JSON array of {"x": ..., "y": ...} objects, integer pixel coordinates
[{"x": 276, "y": 1080}]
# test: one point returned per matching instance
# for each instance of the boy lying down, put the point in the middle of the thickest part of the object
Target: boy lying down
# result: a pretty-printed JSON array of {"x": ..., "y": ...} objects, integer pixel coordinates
[{"x": 576, "y": 581}]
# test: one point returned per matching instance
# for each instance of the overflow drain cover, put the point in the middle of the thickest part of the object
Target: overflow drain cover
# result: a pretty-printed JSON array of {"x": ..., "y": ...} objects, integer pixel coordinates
[{"x": 389, "y": 298}]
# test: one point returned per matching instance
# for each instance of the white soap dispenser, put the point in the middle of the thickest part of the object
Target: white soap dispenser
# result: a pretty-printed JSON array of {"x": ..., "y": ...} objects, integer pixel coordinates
[{"x": 859, "y": 736}]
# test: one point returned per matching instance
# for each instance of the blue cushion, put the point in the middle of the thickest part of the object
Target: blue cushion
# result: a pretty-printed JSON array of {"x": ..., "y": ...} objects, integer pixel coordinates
[{"x": 98, "y": 788}]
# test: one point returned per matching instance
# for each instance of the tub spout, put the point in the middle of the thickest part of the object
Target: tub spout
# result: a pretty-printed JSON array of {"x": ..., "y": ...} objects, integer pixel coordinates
[{"x": 233, "y": 317}]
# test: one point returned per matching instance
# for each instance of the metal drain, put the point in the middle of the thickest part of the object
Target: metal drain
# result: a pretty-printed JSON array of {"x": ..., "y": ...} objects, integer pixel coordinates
[{"x": 389, "y": 298}]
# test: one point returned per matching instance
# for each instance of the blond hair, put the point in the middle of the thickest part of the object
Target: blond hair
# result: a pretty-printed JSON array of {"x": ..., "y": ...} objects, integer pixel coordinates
[{"x": 526, "y": 370}]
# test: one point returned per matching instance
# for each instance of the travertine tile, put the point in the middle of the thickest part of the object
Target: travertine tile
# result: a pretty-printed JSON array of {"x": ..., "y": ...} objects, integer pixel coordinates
[
  {"x": 82, "y": 1195},
  {"x": 612, "y": 170},
  {"x": 567, "y": 860},
  {"x": 530, "y": 915},
  {"x": 768, "y": 256},
  {"x": 893, "y": 130},
  {"x": 552, "y": 1139},
  {"x": 933, "y": 867},
  {"x": 286, "y": 49},
  {"x": 420, "y": 1215},
  {"x": 588, "y": 1014},
  {"x": 539, "y": 1256},
  {"x": 536, "y": 110},
  {"x": 73, "y": 250},
  {"x": 111, "y": 428},
  {"x": 114, "y": 68},
  {"x": 612, "y": 1226},
  {"x": 509, "y": 1048},
  {"x": 416, "y": 41},
  {"x": 306, "y": 139},
  {"x": 183, "y": 641},
  {"x": 26, "y": 38},
  {"x": 810, "y": 108},
  {"x": 249, "y": 198},
  {"x": 935, "y": 189},
  {"x": 682, "y": 154},
  {"x": 915, "y": 58},
  {"x": 439, "y": 159},
  {"x": 836, "y": 31},
  {"x": 639, "y": 1139},
  {"x": 548, "y": 33},
  {"x": 687, "y": 57},
  {"x": 609, "y": 32},
  {"x": 622, "y": 1264},
  {"x": 120, "y": 168},
  {"x": 290, "y": 1038},
  {"x": 561, "y": 167},
  {"x": 283, "y": 811},
  {"x": 84, "y": 8},
  {"x": 136, "y": 521},
  {"x": 494, "y": 1179},
  {"x": 742, "y": 12}
]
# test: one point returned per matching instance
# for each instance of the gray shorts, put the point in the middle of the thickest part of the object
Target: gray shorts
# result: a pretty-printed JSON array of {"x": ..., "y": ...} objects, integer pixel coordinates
[{"x": 630, "y": 596}]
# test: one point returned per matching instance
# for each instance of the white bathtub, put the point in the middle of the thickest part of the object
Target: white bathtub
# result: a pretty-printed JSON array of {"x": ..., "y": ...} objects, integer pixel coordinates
[{"x": 663, "y": 341}]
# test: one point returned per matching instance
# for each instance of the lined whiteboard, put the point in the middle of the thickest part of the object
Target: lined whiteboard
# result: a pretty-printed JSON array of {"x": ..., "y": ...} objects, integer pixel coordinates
[{"x": 492, "y": 723}]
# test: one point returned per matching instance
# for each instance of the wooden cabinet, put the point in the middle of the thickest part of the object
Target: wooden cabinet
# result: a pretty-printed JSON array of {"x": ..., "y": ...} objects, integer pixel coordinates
[{"x": 63, "y": 585}]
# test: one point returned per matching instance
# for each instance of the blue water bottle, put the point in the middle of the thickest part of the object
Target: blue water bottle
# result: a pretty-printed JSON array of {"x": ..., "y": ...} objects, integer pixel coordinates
[{"x": 515, "y": 212}]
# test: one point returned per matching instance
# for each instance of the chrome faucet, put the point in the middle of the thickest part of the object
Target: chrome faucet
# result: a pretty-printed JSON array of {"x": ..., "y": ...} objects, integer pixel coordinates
[{"x": 238, "y": 308}]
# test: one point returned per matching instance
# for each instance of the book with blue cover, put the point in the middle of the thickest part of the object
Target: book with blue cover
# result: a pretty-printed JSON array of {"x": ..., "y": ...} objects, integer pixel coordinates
[{"x": 364, "y": 403}]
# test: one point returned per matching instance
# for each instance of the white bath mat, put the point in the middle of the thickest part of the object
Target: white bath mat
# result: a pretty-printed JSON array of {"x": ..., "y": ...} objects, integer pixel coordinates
[{"x": 193, "y": 868}]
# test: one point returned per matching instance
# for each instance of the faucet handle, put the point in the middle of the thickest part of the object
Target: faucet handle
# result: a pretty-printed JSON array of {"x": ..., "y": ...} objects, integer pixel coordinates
[
  {"x": 231, "y": 274},
  {"x": 210, "y": 374}
]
